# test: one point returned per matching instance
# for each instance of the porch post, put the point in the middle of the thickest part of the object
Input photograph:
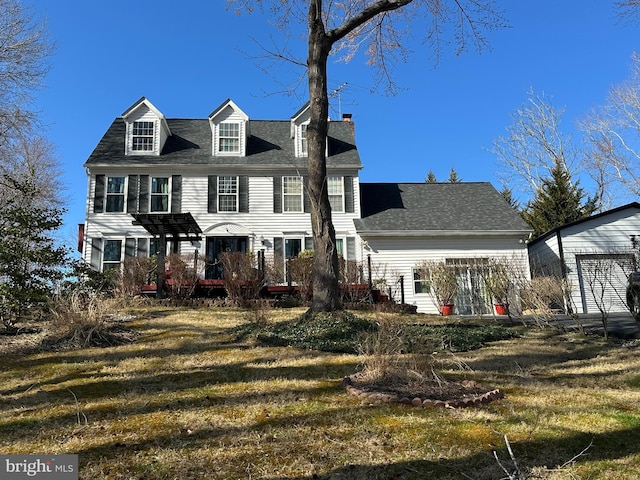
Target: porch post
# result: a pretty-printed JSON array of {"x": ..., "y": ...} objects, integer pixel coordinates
[{"x": 160, "y": 264}]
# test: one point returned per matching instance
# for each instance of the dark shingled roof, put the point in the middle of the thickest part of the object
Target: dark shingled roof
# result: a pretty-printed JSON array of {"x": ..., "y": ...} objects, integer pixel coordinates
[
  {"x": 270, "y": 145},
  {"x": 434, "y": 207}
]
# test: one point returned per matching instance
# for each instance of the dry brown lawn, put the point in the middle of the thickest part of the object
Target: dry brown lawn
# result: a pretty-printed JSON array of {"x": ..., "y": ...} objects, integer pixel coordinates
[{"x": 185, "y": 401}]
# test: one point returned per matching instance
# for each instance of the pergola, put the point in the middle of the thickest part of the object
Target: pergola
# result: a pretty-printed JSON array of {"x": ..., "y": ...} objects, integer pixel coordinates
[{"x": 181, "y": 227}]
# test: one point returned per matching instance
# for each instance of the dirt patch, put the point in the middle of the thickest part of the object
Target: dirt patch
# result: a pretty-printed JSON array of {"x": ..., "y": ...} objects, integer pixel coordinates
[{"x": 422, "y": 394}]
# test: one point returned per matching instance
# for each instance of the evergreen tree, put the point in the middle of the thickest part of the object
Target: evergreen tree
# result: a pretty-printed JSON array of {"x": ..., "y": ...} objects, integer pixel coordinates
[
  {"x": 30, "y": 262},
  {"x": 431, "y": 177},
  {"x": 558, "y": 201},
  {"x": 453, "y": 176},
  {"x": 507, "y": 194}
]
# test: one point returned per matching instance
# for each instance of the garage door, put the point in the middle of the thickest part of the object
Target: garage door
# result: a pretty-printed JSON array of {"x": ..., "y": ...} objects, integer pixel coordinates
[{"x": 603, "y": 280}]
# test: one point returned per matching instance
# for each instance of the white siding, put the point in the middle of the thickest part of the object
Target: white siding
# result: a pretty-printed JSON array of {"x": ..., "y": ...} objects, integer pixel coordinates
[
  {"x": 393, "y": 257},
  {"x": 259, "y": 223},
  {"x": 605, "y": 235},
  {"x": 544, "y": 257}
]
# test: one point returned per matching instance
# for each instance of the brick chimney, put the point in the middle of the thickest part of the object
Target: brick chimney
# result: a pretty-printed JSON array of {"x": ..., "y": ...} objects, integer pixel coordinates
[{"x": 346, "y": 117}]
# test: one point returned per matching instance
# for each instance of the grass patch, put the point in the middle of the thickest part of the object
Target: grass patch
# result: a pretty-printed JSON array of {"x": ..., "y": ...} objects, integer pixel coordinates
[
  {"x": 190, "y": 400},
  {"x": 344, "y": 333}
]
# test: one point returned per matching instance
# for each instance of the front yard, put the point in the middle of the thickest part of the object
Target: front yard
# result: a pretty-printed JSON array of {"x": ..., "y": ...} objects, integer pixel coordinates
[{"x": 189, "y": 400}]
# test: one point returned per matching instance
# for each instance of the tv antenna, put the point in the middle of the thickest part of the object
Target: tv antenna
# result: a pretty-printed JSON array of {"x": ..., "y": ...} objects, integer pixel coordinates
[{"x": 335, "y": 93}]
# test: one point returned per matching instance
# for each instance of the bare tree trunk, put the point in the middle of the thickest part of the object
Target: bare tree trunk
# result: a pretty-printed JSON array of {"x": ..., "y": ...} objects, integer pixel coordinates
[{"x": 326, "y": 295}]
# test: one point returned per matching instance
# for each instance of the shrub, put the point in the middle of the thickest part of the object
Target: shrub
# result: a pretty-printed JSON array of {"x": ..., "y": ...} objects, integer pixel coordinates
[
  {"x": 301, "y": 271},
  {"x": 242, "y": 279},
  {"x": 542, "y": 296},
  {"x": 136, "y": 272},
  {"x": 183, "y": 275},
  {"x": 83, "y": 319}
]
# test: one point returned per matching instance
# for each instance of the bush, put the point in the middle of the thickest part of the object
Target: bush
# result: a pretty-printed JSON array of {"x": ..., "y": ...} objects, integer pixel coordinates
[
  {"x": 137, "y": 272},
  {"x": 301, "y": 271},
  {"x": 242, "y": 279},
  {"x": 82, "y": 319},
  {"x": 184, "y": 277},
  {"x": 542, "y": 297}
]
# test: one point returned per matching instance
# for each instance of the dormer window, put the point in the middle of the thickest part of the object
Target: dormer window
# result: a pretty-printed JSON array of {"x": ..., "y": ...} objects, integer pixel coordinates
[
  {"x": 229, "y": 138},
  {"x": 146, "y": 129},
  {"x": 142, "y": 136},
  {"x": 229, "y": 130}
]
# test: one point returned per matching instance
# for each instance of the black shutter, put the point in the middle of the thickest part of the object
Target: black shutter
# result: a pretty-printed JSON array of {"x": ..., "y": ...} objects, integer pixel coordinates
[
  {"x": 176, "y": 193},
  {"x": 349, "y": 202},
  {"x": 306, "y": 199},
  {"x": 132, "y": 194},
  {"x": 277, "y": 194},
  {"x": 212, "y": 194},
  {"x": 143, "y": 202},
  {"x": 278, "y": 255},
  {"x": 96, "y": 253},
  {"x": 143, "y": 247},
  {"x": 129, "y": 247},
  {"x": 243, "y": 186},
  {"x": 98, "y": 197}
]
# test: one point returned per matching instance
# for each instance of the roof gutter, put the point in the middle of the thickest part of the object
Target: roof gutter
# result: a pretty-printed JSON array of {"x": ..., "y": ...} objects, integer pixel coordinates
[{"x": 440, "y": 233}]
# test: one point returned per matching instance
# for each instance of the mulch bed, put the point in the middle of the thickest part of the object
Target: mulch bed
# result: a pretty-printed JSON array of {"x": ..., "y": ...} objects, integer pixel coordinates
[{"x": 467, "y": 393}]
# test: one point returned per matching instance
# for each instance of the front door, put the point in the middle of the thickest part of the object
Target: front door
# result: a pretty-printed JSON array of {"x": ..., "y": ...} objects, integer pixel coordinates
[{"x": 218, "y": 245}]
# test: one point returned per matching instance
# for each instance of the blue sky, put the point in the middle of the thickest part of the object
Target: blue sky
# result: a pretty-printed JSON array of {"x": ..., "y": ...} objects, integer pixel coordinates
[{"x": 187, "y": 58}]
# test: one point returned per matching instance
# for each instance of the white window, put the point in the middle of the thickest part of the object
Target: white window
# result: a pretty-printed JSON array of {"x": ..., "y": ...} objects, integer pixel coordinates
[
  {"x": 115, "y": 194},
  {"x": 142, "y": 137},
  {"x": 335, "y": 187},
  {"x": 159, "y": 194},
  {"x": 227, "y": 194},
  {"x": 112, "y": 255},
  {"x": 303, "y": 139},
  {"x": 229, "y": 137},
  {"x": 421, "y": 282},
  {"x": 292, "y": 199}
]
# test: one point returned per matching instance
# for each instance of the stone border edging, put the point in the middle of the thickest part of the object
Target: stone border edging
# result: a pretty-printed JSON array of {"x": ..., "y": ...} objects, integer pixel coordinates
[{"x": 423, "y": 403}]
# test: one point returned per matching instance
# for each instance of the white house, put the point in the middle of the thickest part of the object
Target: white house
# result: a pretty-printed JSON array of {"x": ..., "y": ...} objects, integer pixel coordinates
[
  {"x": 595, "y": 255},
  {"x": 230, "y": 183}
]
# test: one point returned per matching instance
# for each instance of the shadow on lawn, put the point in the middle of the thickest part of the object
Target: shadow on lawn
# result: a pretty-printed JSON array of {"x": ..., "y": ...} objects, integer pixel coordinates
[
  {"x": 196, "y": 386},
  {"x": 535, "y": 366},
  {"x": 529, "y": 455}
]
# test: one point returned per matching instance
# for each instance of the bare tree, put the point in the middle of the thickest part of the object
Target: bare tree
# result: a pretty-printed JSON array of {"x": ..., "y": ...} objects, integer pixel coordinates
[
  {"x": 34, "y": 157},
  {"x": 345, "y": 28},
  {"x": 613, "y": 135},
  {"x": 24, "y": 53},
  {"x": 533, "y": 145},
  {"x": 24, "y": 50},
  {"x": 629, "y": 10}
]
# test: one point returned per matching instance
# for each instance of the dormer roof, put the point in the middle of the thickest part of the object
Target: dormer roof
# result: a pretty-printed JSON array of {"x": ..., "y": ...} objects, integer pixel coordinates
[
  {"x": 229, "y": 130},
  {"x": 142, "y": 103},
  {"x": 303, "y": 110},
  {"x": 228, "y": 103}
]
